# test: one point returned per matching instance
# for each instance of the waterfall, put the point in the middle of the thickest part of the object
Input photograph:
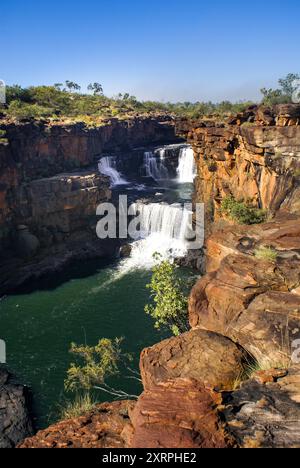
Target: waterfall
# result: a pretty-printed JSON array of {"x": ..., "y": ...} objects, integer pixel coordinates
[
  {"x": 168, "y": 220},
  {"x": 155, "y": 167},
  {"x": 108, "y": 166},
  {"x": 186, "y": 168},
  {"x": 163, "y": 229}
]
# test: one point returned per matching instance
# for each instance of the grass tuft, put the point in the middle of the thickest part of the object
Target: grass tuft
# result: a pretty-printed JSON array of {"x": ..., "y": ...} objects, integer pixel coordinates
[
  {"x": 81, "y": 405},
  {"x": 266, "y": 253}
]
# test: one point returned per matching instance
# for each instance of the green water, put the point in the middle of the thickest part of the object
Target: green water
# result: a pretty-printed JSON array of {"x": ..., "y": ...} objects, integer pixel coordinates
[{"x": 39, "y": 327}]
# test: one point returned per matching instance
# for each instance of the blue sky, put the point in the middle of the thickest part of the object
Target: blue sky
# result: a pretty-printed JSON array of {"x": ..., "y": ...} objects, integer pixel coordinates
[{"x": 156, "y": 49}]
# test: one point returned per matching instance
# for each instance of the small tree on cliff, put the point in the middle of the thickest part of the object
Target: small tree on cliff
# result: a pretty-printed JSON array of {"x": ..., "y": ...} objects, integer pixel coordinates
[
  {"x": 169, "y": 307},
  {"x": 97, "y": 364}
]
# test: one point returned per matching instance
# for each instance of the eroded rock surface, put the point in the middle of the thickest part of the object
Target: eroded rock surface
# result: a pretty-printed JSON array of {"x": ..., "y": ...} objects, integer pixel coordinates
[
  {"x": 266, "y": 416},
  {"x": 177, "y": 414},
  {"x": 104, "y": 427},
  {"x": 15, "y": 422}
]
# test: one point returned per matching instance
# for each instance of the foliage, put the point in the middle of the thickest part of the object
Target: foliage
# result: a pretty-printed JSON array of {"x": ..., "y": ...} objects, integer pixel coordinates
[
  {"x": 81, "y": 405},
  {"x": 266, "y": 253},
  {"x": 272, "y": 97},
  {"x": 283, "y": 94},
  {"x": 99, "y": 363},
  {"x": 287, "y": 84},
  {"x": 3, "y": 138},
  {"x": 96, "y": 88},
  {"x": 67, "y": 101},
  {"x": 21, "y": 111},
  {"x": 169, "y": 307},
  {"x": 72, "y": 86},
  {"x": 241, "y": 212}
]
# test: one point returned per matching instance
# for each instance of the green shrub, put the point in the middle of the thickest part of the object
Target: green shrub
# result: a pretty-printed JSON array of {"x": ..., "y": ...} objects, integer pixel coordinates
[
  {"x": 2, "y": 136},
  {"x": 21, "y": 111},
  {"x": 296, "y": 173},
  {"x": 248, "y": 124},
  {"x": 169, "y": 307},
  {"x": 266, "y": 253},
  {"x": 242, "y": 212}
]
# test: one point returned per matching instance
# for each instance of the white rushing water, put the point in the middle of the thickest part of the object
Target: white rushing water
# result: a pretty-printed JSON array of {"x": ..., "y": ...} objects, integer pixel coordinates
[
  {"x": 108, "y": 166},
  {"x": 186, "y": 167},
  {"x": 154, "y": 166},
  {"x": 163, "y": 229}
]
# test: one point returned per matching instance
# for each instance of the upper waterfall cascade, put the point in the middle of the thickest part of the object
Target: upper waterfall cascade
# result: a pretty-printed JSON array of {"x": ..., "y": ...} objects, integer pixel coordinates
[
  {"x": 186, "y": 167},
  {"x": 155, "y": 166},
  {"x": 108, "y": 166}
]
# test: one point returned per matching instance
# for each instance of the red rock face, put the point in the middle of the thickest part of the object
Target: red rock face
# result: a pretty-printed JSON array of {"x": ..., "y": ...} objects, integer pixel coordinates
[
  {"x": 104, "y": 427},
  {"x": 177, "y": 414}
]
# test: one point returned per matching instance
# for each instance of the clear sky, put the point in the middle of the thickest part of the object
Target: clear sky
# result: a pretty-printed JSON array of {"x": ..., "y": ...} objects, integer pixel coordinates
[{"x": 155, "y": 49}]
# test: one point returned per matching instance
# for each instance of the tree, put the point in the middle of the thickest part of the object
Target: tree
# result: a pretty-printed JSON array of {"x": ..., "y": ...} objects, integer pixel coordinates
[
  {"x": 58, "y": 86},
  {"x": 272, "y": 96},
  {"x": 288, "y": 84},
  {"x": 72, "y": 86},
  {"x": 284, "y": 95},
  {"x": 169, "y": 307},
  {"x": 96, "y": 88},
  {"x": 98, "y": 364},
  {"x": 16, "y": 92}
]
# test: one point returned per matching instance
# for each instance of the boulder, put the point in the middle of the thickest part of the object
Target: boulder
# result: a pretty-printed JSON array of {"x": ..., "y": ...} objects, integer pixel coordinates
[
  {"x": 200, "y": 355},
  {"x": 177, "y": 414}
]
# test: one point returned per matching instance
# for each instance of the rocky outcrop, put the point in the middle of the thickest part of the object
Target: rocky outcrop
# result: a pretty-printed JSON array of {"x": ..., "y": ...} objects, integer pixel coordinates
[
  {"x": 104, "y": 427},
  {"x": 253, "y": 301},
  {"x": 221, "y": 363},
  {"x": 252, "y": 157},
  {"x": 15, "y": 422},
  {"x": 265, "y": 415},
  {"x": 177, "y": 414}
]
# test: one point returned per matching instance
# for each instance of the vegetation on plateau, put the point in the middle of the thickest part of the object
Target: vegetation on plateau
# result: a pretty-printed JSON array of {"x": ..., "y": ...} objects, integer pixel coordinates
[
  {"x": 68, "y": 103},
  {"x": 242, "y": 212}
]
